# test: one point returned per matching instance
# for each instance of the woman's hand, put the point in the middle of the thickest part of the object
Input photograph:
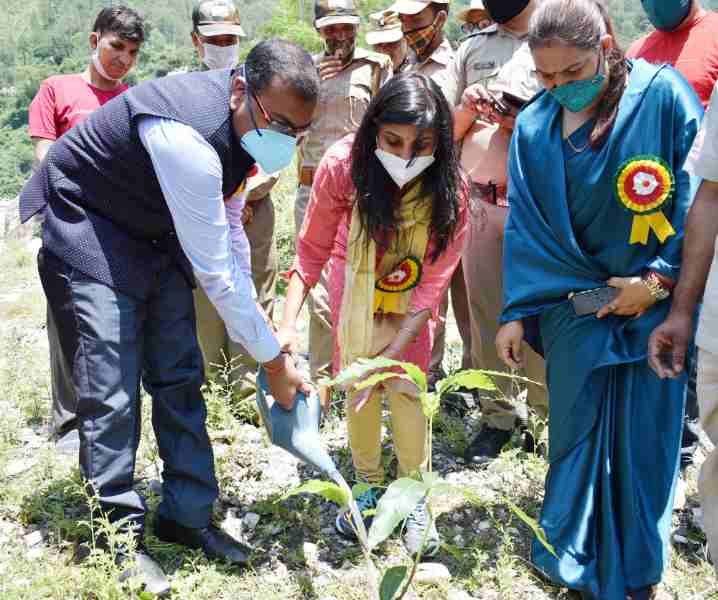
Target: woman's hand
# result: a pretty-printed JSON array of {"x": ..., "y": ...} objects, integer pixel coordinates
[
  {"x": 508, "y": 344},
  {"x": 476, "y": 100},
  {"x": 632, "y": 301}
]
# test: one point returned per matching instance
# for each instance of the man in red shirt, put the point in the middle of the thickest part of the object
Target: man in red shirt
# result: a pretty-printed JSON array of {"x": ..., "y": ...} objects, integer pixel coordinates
[
  {"x": 61, "y": 103},
  {"x": 685, "y": 37}
]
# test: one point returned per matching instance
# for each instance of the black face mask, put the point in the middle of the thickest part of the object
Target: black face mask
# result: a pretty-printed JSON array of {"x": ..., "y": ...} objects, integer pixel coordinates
[{"x": 503, "y": 11}]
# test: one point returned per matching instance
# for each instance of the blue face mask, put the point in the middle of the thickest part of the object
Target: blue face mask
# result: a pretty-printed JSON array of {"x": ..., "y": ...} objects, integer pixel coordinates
[
  {"x": 667, "y": 15},
  {"x": 579, "y": 95},
  {"x": 271, "y": 150}
]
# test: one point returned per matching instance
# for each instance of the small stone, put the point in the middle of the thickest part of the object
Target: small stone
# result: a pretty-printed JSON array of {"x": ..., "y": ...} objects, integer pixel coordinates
[
  {"x": 311, "y": 553},
  {"x": 431, "y": 573},
  {"x": 33, "y": 539},
  {"x": 459, "y": 460},
  {"x": 251, "y": 520},
  {"x": 456, "y": 517},
  {"x": 484, "y": 526},
  {"x": 17, "y": 467},
  {"x": 459, "y": 540},
  {"x": 232, "y": 524}
]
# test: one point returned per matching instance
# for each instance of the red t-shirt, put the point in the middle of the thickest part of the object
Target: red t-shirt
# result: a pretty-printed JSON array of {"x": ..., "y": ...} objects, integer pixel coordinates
[
  {"x": 692, "y": 49},
  {"x": 62, "y": 102}
]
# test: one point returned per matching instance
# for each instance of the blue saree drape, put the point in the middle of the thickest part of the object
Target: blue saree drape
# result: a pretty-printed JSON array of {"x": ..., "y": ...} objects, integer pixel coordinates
[{"x": 614, "y": 426}]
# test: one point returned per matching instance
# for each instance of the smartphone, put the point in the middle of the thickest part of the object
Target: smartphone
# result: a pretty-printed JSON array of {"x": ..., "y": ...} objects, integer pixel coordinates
[{"x": 591, "y": 301}]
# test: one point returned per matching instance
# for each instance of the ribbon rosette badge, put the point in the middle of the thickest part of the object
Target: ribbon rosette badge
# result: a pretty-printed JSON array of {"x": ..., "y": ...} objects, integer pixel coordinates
[
  {"x": 405, "y": 276},
  {"x": 644, "y": 185}
]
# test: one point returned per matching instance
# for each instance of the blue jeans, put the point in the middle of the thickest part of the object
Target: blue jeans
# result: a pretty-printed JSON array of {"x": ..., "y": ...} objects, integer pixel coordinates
[{"x": 112, "y": 341}]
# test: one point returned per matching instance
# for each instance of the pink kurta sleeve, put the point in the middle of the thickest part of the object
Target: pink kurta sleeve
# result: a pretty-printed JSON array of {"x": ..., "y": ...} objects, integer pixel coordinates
[
  {"x": 435, "y": 276},
  {"x": 332, "y": 191}
]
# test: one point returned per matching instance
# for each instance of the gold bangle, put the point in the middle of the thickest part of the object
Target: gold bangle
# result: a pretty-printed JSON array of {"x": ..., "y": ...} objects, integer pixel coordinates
[{"x": 655, "y": 287}]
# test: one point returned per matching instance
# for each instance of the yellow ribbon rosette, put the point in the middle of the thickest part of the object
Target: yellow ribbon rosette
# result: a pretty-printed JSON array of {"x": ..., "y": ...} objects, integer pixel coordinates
[
  {"x": 644, "y": 185},
  {"x": 387, "y": 291}
]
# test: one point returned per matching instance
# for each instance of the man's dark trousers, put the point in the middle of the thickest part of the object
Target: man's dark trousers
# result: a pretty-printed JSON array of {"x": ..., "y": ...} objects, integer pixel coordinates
[{"x": 113, "y": 341}]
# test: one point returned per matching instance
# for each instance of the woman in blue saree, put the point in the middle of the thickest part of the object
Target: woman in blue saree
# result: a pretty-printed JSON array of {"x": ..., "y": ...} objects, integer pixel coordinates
[{"x": 598, "y": 197}]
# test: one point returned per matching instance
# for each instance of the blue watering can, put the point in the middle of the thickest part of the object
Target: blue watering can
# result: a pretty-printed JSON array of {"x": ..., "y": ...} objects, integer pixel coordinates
[{"x": 296, "y": 430}]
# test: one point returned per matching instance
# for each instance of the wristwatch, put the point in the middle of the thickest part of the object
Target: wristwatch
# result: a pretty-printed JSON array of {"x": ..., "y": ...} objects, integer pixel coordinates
[{"x": 656, "y": 288}]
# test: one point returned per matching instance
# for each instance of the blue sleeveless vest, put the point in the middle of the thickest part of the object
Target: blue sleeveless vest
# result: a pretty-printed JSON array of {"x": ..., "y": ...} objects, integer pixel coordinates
[{"x": 105, "y": 213}]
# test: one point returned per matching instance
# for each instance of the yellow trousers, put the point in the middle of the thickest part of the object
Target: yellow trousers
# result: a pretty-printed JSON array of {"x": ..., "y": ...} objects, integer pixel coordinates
[{"x": 408, "y": 425}]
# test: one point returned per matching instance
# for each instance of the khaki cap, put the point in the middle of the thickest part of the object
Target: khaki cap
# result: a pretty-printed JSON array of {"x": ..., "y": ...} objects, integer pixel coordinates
[
  {"x": 217, "y": 17},
  {"x": 384, "y": 28},
  {"x": 333, "y": 12},
  {"x": 518, "y": 76},
  {"x": 412, "y": 7},
  {"x": 463, "y": 15}
]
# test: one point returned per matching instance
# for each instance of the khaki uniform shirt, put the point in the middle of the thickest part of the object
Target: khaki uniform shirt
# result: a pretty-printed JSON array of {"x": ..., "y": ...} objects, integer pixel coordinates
[
  {"x": 343, "y": 100},
  {"x": 479, "y": 59},
  {"x": 436, "y": 66}
]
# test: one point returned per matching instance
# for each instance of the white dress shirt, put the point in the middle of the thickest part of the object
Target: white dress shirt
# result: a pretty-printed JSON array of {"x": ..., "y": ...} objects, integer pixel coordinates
[{"x": 210, "y": 233}]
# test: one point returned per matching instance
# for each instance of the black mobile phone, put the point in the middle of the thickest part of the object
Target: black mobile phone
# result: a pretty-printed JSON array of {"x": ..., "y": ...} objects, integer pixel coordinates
[
  {"x": 514, "y": 101},
  {"x": 591, "y": 301}
]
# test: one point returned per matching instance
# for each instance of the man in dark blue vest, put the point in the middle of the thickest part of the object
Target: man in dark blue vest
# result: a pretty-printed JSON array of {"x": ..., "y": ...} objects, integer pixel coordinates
[{"x": 133, "y": 199}]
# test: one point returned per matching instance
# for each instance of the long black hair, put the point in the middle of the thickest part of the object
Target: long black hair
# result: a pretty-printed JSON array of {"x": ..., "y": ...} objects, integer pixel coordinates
[{"x": 407, "y": 99}]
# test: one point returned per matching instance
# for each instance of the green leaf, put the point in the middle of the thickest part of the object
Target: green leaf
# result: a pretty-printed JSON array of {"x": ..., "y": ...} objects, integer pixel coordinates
[
  {"x": 430, "y": 479},
  {"x": 359, "y": 488},
  {"x": 534, "y": 526},
  {"x": 391, "y": 582},
  {"x": 471, "y": 379},
  {"x": 372, "y": 380},
  {"x": 364, "y": 366},
  {"x": 400, "y": 498},
  {"x": 145, "y": 595},
  {"x": 329, "y": 491},
  {"x": 430, "y": 402}
]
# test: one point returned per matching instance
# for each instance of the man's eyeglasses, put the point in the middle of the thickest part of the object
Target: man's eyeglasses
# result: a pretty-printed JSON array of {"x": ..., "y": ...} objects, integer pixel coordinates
[
  {"x": 278, "y": 126},
  {"x": 470, "y": 27}
]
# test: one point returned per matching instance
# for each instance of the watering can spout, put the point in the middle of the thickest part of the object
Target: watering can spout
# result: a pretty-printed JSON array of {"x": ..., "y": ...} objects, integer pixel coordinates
[{"x": 296, "y": 430}]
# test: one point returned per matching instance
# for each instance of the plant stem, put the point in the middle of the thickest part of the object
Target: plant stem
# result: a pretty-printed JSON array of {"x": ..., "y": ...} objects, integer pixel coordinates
[{"x": 417, "y": 558}]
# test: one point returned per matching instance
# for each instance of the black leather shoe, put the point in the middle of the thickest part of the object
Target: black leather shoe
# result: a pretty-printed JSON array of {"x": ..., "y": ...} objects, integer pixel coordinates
[
  {"x": 486, "y": 446},
  {"x": 215, "y": 543}
]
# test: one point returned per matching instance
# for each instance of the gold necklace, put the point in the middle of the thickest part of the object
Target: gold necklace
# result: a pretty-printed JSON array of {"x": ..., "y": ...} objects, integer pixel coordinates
[{"x": 578, "y": 150}]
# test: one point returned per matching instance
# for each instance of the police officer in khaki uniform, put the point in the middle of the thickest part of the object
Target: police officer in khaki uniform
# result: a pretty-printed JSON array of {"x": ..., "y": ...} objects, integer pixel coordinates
[
  {"x": 385, "y": 37},
  {"x": 494, "y": 57},
  {"x": 216, "y": 29},
  {"x": 474, "y": 17},
  {"x": 350, "y": 77},
  {"x": 423, "y": 24}
]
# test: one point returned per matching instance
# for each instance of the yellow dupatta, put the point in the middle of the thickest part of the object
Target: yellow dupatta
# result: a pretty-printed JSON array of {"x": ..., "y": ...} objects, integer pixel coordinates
[{"x": 386, "y": 289}]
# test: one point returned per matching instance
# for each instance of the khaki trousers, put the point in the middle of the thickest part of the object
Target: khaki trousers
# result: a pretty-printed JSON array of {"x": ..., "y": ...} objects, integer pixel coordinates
[
  {"x": 321, "y": 340},
  {"x": 708, "y": 479},
  {"x": 482, "y": 262},
  {"x": 460, "y": 305},
  {"x": 217, "y": 347},
  {"x": 408, "y": 423}
]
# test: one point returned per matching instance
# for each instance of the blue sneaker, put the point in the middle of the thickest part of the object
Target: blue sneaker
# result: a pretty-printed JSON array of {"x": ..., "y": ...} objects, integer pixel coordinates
[{"x": 345, "y": 522}]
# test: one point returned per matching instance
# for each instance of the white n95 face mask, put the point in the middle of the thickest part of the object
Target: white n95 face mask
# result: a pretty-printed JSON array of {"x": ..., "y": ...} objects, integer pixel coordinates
[
  {"x": 399, "y": 169},
  {"x": 220, "y": 57}
]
